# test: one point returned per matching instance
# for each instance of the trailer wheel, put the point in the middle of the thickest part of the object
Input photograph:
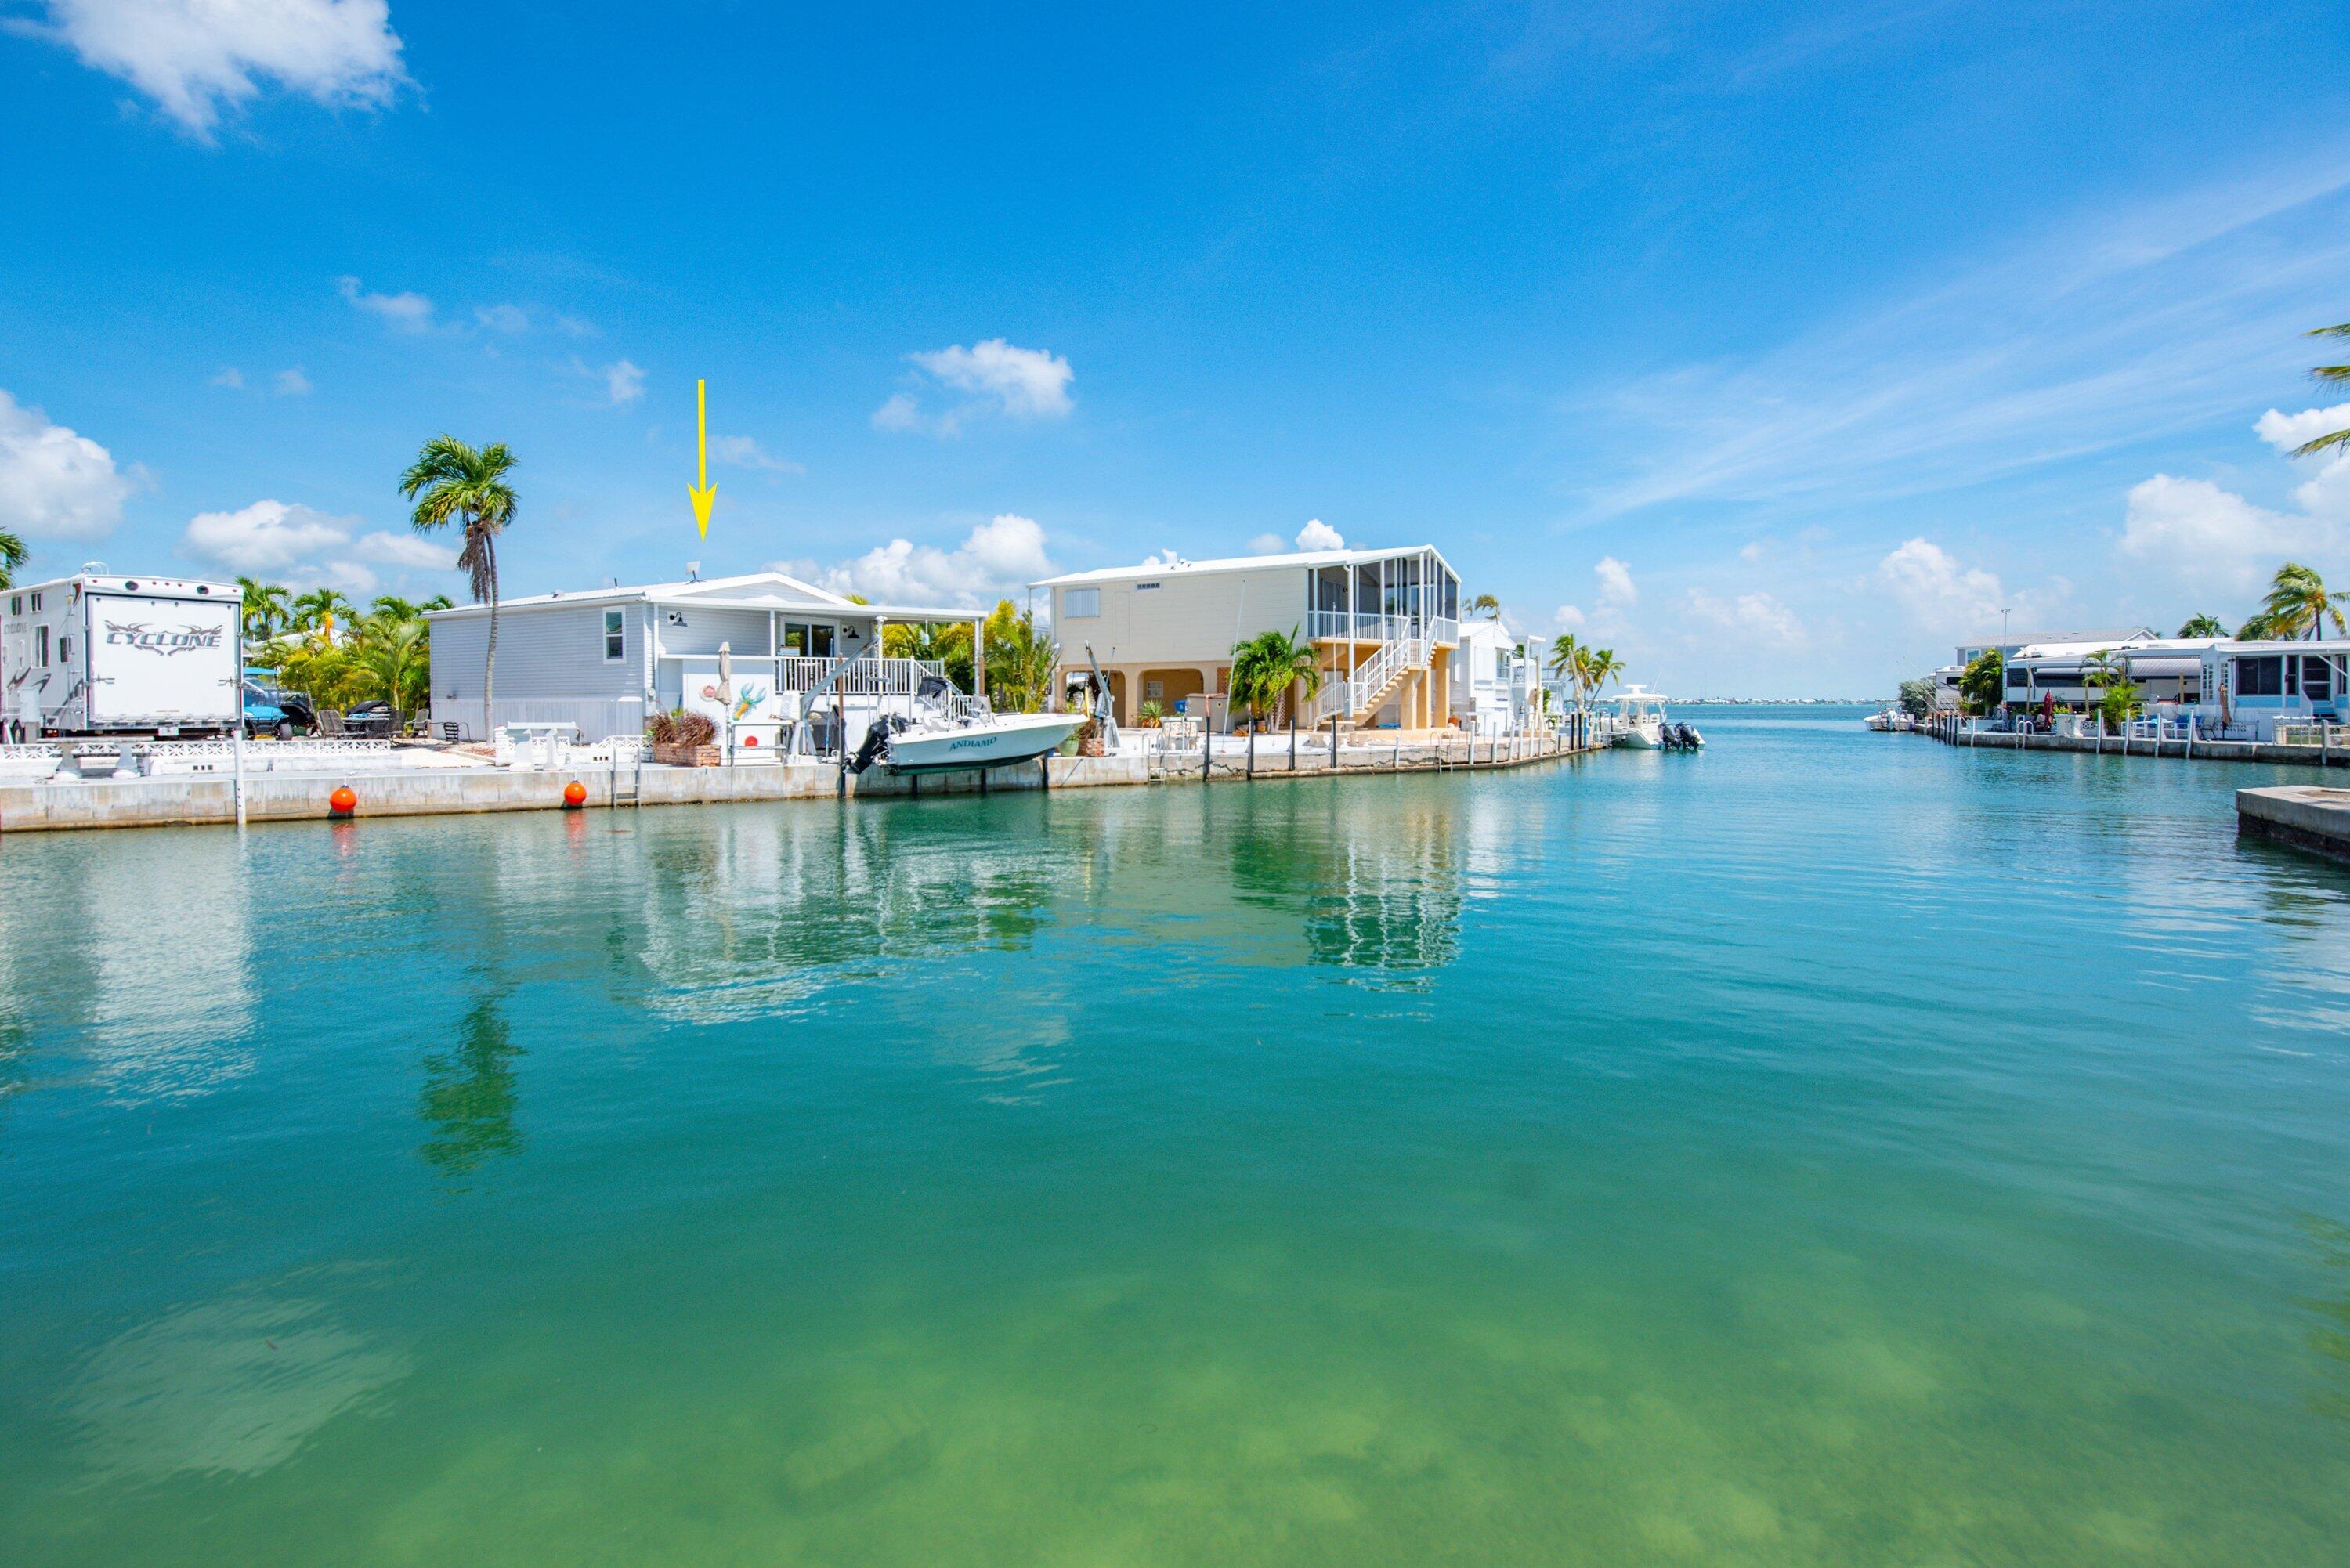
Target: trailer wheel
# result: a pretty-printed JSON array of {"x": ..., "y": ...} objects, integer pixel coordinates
[{"x": 285, "y": 730}]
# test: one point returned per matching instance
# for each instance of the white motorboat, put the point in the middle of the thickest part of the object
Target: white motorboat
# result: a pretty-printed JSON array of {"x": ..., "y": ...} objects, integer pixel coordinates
[
  {"x": 1640, "y": 718},
  {"x": 1882, "y": 723},
  {"x": 953, "y": 733}
]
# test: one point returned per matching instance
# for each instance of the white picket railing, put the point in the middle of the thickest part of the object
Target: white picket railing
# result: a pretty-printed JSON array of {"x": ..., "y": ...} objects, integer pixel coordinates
[{"x": 1347, "y": 697}]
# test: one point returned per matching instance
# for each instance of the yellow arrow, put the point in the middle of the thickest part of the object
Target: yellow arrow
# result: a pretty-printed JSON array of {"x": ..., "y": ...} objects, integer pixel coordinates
[{"x": 703, "y": 492}]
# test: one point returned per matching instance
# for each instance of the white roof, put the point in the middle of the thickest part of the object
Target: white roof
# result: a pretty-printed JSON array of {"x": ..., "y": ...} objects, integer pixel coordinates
[
  {"x": 1300, "y": 558},
  {"x": 2076, "y": 647},
  {"x": 1637, "y": 694},
  {"x": 755, "y": 590}
]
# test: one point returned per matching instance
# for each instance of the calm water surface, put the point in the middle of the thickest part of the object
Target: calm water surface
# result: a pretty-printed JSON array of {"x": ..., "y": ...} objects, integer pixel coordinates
[{"x": 1833, "y": 1149}]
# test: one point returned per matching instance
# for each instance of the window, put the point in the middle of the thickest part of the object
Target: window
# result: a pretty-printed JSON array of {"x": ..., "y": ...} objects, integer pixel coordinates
[
  {"x": 616, "y": 636},
  {"x": 17, "y": 604},
  {"x": 41, "y": 645},
  {"x": 2316, "y": 679},
  {"x": 1154, "y": 690},
  {"x": 2018, "y": 678},
  {"x": 821, "y": 641},
  {"x": 2260, "y": 677},
  {"x": 1080, "y": 604},
  {"x": 37, "y": 604},
  {"x": 65, "y": 650}
]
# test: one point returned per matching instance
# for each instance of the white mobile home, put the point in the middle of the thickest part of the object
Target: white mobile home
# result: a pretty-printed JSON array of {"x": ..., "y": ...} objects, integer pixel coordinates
[
  {"x": 609, "y": 658},
  {"x": 1384, "y": 624},
  {"x": 100, "y": 654},
  {"x": 1496, "y": 690}
]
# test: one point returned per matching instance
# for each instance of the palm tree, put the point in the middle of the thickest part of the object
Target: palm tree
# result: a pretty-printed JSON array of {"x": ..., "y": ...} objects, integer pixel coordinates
[
  {"x": 1268, "y": 666},
  {"x": 392, "y": 652},
  {"x": 2256, "y": 629},
  {"x": 2333, "y": 373},
  {"x": 12, "y": 555},
  {"x": 2203, "y": 626},
  {"x": 1602, "y": 667},
  {"x": 1486, "y": 605},
  {"x": 1566, "y": 663},
  {"x": 453, "y": 483},
  {"x": 2104, "y": 670},
  {"x": 2298, "y": 604},
  {"x": 1020, "y": 660},
  {"x": 392, "y": 607},
  {"x": 319, "y": 608},
  {"x": 1983, "y": 683},
  {"x": 265, "y": 609}
]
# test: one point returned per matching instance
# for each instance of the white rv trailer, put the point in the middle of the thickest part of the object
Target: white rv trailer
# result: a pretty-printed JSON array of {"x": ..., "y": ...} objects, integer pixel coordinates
[{"x": 100, "y": 654}]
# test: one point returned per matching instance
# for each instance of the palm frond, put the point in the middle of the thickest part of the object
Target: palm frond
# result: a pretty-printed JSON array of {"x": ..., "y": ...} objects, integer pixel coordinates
[{"x": 2312, "y": 448}]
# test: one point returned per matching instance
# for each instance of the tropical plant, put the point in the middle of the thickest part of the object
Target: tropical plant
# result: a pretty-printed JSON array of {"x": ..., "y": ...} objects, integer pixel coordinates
[
  {"x": 2255, "y": 629},
  {"x": 1918, "y": 697},
  {"x": 392, "y": 607},
  {"x": 1021, "y": 659},
  {"x": 2329, "y": 373},
  {"x": 1148, "y": 715},
  {"x": 12, "y": 555},
  {"x": 1266, "y": 668},
  {"x": 1600, "y": 665},
  {"x": 1567, "y": 660},
  {"x": 2203, "y": 626},
  {"x": 1486, "y": 605},
  {"x": 453, "y": 484},
  {"x": 266, "y": 612},
  {"x": 395, "y": 656},
  {"x": 1982, "y": 685},
  {"x": 2105, "y": 671},
  {"x": 681, "y": 727},
  {"x": 2298, "y": 606},
  {"x": 320, "y": 610},
  {"x": 437, "y": 602}
]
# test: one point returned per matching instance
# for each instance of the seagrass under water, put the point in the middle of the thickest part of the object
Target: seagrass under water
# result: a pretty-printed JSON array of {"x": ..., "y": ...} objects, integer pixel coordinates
[{"x": 1829, "y": 1148}]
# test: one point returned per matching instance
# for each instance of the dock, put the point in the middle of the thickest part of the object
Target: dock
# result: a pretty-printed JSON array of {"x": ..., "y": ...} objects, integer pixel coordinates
[
  {"x": 2305, "y": 817},
  {"x": 1949, "y": 729},
  {"x": 377, "y": 789}
]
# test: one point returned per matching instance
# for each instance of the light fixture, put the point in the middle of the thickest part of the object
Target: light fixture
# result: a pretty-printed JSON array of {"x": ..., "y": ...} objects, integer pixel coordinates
[
  {"x": 677, "y": 618},
  {"x": 848, "y": 634}
]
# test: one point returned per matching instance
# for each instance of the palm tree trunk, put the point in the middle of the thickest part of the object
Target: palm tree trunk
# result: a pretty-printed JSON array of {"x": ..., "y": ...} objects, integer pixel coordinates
[{"x": 490, "y": 663}]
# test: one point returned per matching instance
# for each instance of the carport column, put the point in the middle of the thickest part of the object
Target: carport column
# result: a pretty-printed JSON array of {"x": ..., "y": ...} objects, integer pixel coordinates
[{"x": 979, "y": 665}]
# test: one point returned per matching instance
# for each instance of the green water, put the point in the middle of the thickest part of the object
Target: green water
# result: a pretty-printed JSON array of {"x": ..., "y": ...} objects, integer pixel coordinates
[{"x": 1833, "y": 1149}]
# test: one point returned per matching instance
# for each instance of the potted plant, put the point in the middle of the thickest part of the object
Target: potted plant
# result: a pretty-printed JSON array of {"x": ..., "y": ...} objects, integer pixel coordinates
[{"x": 683, "y": 740}]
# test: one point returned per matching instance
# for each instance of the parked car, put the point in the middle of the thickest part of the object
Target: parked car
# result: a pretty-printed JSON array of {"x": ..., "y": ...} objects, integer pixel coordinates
[{"x": 269, "y": 711}]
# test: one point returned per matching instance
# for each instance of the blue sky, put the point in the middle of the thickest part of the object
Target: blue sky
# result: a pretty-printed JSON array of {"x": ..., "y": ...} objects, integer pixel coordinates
[{"x": 1779, "y": 347}]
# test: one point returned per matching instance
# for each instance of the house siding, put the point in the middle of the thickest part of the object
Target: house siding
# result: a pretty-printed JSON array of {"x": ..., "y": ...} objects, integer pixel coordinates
[
  {"x": 551, "y": 670},
  {"x": 1185, "y": 620}
]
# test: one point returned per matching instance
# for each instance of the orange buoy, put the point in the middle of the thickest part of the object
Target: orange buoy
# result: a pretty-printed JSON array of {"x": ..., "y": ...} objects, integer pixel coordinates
[
  {"x": 575, "y": 794},
  {"x": 751, "y": 742},
  {"x": 344, "y": 801}
]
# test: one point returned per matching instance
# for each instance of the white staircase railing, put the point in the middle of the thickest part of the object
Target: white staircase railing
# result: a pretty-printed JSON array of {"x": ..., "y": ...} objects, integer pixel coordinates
[{"x": 1358, "y": 695}]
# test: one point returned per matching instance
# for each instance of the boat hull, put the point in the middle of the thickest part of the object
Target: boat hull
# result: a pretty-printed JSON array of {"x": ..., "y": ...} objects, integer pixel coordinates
[
  {"x": 1641, "y": 740},
  {"x": 1000, "y": 742}
]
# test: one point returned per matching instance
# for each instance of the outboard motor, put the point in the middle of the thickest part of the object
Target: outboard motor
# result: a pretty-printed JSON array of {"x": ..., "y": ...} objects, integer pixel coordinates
[
  {"x": 1691, "y": 739},
  {"x": 877, "y": 742}
]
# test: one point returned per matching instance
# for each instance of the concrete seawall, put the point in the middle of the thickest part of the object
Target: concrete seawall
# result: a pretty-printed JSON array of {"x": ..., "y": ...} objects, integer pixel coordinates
[
  {"x": 2306, "y": 816},
  {"x": 183, "y": 800},
  {"x": 2172, "y": 749}
]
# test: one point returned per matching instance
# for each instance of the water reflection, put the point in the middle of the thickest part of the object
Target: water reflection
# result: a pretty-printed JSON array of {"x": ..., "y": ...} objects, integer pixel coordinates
[
  {"x": 230, "y": 1387},
  {"x": 469, "y": 1097},
  {"x": 2332, "y": 1342}
]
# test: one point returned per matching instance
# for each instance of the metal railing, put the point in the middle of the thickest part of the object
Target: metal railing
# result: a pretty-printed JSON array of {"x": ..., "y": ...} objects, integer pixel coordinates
[
  {"x": 867, "y": 675},
  {"x": 1370, "y": 682},
  {"x": 1365, "y": 626}
]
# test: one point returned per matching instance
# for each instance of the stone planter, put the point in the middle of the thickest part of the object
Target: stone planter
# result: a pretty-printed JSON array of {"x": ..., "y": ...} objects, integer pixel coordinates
[{"x": 679, "y": 757}]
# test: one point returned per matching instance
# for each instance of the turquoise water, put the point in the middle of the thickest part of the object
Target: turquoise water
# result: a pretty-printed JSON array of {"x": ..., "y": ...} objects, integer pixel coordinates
[{"x": 1833, "y": 1149}]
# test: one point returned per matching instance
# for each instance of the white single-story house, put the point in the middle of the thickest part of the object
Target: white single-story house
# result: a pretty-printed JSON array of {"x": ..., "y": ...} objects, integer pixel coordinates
[
  {"x": 607, "y": 658},
  {"x": 2237, "y": 689},
  {"x": 1384, "y": 626},
  {"x": 2164, "y": 670},
  {"x": 1946, "y": 679}
]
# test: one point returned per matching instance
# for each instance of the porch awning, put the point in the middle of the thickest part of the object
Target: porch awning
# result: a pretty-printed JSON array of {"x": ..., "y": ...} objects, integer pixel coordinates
[{"x": 2166, "y": 668}]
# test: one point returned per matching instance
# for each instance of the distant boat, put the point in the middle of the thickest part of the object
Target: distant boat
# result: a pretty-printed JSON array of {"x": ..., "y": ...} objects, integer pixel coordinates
[{"x": 1882, "y": 723}]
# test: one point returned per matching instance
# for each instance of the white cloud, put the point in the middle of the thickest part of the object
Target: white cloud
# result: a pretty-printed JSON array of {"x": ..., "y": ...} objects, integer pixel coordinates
[
  {"x": 899, "y": 411},
  {"x": 1569, "y": 617},
  {"x": 268, "y": 536},
  {"x": 999, "y": 556},
  {"x": 1753, "y": 550},
  {"x": 2205, "y": 537},
  {"x": 2285, "y": 431},
  {"x": 1016, "y": 383},
  {"x": 743, "y": 451},
  {"x": 1319, "y": 535},
  {"x": 197, "y": 58},
  {"x": 624, "y": 383},
  {"x": 304, "y": 547},
  {"x": 55, "y": 483},
  {"x": 1937, "y": 593},
  {"x": 230, "y": 376},
  {"x": 291, "y": 383},
  {"x": 1616, "y": 585},
  {"x": 408, "y": 311},
  {"x": 414, "y": 551},
  {"x": 509, "y": 318},
  {"x": 1268, "y": 545},
  {"x": 1757, "y": 618}
]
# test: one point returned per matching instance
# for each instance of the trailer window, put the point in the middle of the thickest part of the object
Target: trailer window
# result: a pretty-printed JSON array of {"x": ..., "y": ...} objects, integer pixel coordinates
[
  {"x": 17, "y": 604},
  {"x": 616, "y": 637},
  {"x": 65, "y": 650},
  {"x": 41, "y": 645},
  {"x": 37, "y": 604}
]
